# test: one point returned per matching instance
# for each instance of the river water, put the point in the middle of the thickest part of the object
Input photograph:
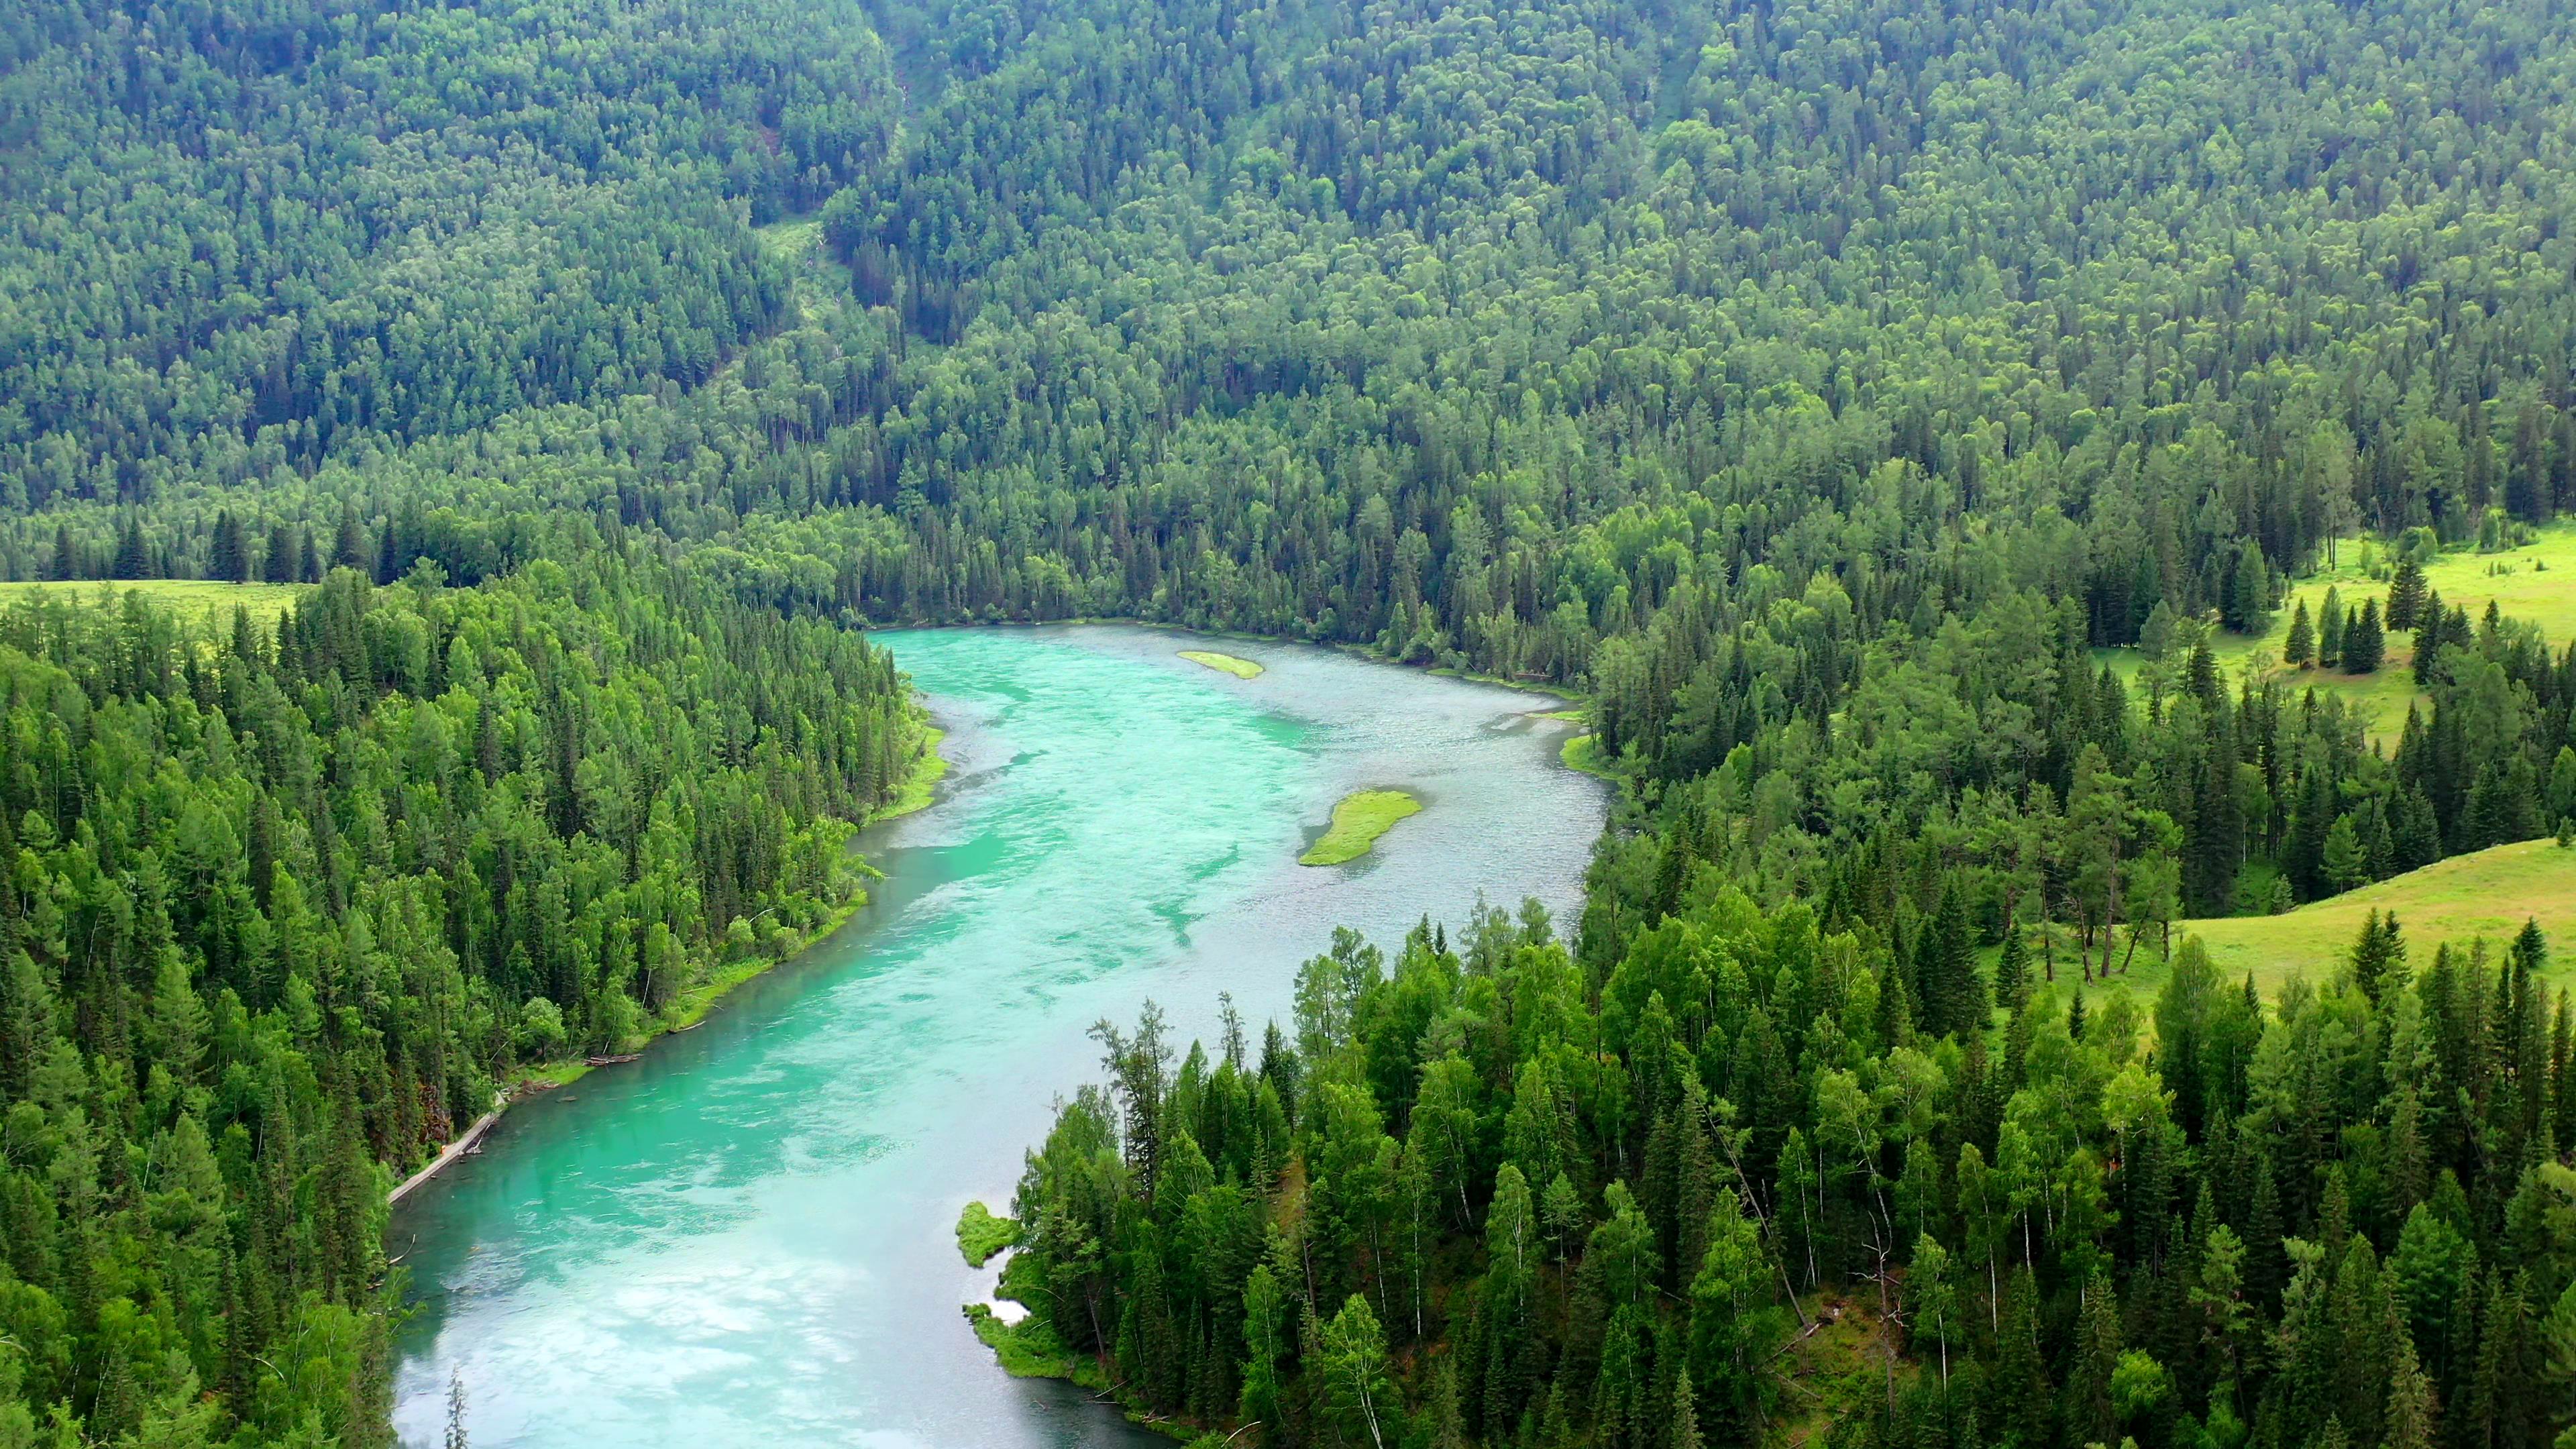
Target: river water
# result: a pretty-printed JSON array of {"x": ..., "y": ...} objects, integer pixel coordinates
[{"x": 746, "y": 1238}]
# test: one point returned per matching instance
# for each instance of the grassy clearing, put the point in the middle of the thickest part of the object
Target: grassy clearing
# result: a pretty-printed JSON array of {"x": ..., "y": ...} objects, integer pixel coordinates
[
  {"x": 2489, "y": 893},
  {"x": 2485, "y": 894},
  {"x": 980, "y": 1234},
  {"x": 2535, "y": 583},
  {"x": 1227, "y": 663},
  {"x": 1358, "y": 821},
  {"x": 196, "y": 601}
]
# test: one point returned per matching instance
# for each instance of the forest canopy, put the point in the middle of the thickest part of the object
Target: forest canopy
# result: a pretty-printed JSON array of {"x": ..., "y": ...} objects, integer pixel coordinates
[{"x": 1902, "y": 424}]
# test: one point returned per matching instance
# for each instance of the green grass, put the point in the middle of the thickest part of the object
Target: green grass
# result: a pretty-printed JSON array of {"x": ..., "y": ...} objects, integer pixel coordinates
[
  {"x": 1239, "y": 668},
  {"x": 196, "y": 601},
  {"x": 1583, "y": 752},
  {"x": 1027, "y": 1349},
  {"x": 1357, "y": 823},
  {"x": 2487, "y": 893},
  {"x": 1839, "y": 1369},
  {"x": 921, "y": 783},
  {"x": 2535, "y": 583},
  {"x": 980, "y": 1234}
]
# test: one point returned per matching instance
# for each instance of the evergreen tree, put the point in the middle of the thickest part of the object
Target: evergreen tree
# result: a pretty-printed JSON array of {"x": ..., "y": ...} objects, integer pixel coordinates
[
  {"x": 2406, "y": 595},
  {"x": 2365, "y": 642}
]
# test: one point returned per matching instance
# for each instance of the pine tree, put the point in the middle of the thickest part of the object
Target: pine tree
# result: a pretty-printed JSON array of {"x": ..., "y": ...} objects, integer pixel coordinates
[
  {"x": 231, "y": 559},
  {"x": 2012, "y": 971},
  {"x": 456, "y": 1409},
  {"x": 2365, "y": 643},
  {"x": 1685, "y": 1417},
  {"x": 2406, "y": 595},
  {"x": 2412, "y": 1421},
  {"x": 133, "y": 560},
  {"x": 2345, "y": 864},
  {"x": 281, "y": 565},
  {"x": 1954, "y": 994},
  {"x": 2379, "y": 956},
  {"x": 2091, "y": 1417},
  {"x": 2021, "y": 1390},
  {"x": 2301, "y": 650},
  {"x": 2330, "y": 629},
  {"x": 349, "y": 547}
]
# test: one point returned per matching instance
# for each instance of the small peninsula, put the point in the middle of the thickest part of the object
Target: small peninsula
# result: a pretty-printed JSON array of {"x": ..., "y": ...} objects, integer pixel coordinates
[{"x": 1358, "y": 821}]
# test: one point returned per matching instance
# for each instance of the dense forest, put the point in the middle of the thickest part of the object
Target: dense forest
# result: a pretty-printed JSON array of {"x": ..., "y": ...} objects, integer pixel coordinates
[
  {"x": 1885, "y": 414},
  {"x": 284, "y": 904},
  {"x": 1504, "y": 1193}
]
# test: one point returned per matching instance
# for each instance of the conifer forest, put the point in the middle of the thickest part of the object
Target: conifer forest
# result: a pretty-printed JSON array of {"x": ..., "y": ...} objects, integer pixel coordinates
[{"x": 2004, "y": 485}]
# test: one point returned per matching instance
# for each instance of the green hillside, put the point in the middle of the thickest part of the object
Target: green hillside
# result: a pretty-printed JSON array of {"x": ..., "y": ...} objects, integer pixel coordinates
[{"x": 2486, "y": 895}]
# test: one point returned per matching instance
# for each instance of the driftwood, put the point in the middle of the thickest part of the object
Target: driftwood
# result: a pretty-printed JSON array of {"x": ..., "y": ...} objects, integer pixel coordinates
[
  {"x": 611, "y": 1061},
  {"x": 471, "y": 1142}
]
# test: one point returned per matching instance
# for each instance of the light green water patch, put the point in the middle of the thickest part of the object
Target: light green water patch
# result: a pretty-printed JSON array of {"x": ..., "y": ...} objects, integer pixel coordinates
[
  {"x": 1239, "y": 668},
  {"x": 749, "y": 1236},
  {"x": 1358, "y": 821}
]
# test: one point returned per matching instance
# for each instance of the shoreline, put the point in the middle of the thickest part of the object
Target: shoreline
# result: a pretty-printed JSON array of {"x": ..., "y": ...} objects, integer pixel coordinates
[
  {"x": 452, "y": 1150},
  {"x": 1563, "y": 695},
  {"x": 919, "y": 790}
]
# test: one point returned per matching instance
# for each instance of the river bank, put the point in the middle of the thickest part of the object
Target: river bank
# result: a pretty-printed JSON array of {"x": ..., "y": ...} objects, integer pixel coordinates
[
  {"x": 918, "y": 790},
  {"x": 749, "y": 1234}
]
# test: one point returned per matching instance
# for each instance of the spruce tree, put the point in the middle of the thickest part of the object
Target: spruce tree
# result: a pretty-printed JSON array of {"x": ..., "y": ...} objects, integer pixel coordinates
[
  {"x": 2364, "y": 643},
  {"x": 2301, "y": 651},
  {"x": 2406, "y": 595},
  {"x": 133, "y": 560},
  {"x": 2012, "y": 971}
]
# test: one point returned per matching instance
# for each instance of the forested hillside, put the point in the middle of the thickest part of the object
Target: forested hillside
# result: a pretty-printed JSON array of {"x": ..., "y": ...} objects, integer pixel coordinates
[
  {"x": 1885, "y": 415},
  {"x": 280, "y": 909},
  {"x": 1752, "y": 1182}
]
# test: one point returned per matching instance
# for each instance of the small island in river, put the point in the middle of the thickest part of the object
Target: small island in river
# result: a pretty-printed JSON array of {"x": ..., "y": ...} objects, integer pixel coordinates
[
  {"x": 1239, "y": 668},
  {"x": 1358, "y": 821}
]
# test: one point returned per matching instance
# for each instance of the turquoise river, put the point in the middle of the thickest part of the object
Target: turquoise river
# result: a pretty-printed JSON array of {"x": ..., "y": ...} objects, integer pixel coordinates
[{"x": 746, "y": 1237}]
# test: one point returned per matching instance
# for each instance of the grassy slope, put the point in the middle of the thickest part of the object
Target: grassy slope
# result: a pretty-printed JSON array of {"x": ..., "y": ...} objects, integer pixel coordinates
[
  {"x": 2486, "y": 894},
  {"x": 198, "y": 601},
  {"x": 1358, "y": 821},
  {"x": 2524, "y": 590}
]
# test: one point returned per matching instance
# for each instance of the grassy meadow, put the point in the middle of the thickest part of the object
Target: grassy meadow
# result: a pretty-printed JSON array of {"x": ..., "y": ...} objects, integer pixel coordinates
[
  {"x": 2487, "y": 894},
  {"x": 2535, "y": 583},
  {"x": 198, "y": 601}
]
